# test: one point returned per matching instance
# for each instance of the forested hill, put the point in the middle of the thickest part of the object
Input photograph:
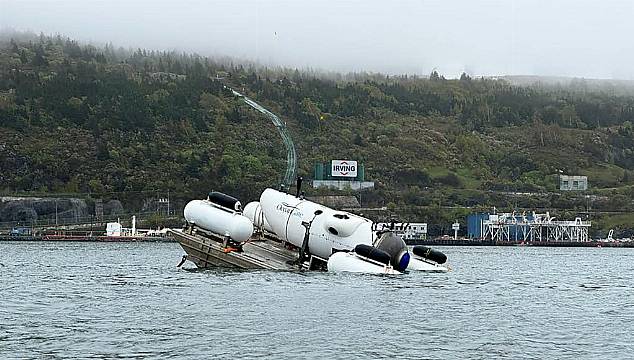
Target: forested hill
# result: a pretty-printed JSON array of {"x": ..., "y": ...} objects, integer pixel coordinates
[{"x": 78, "y": 118}]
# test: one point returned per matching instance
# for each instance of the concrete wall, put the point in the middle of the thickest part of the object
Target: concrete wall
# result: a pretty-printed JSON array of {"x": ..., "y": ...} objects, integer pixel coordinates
[
  {"x": 343, "y": 184},
  {"x": 27, "y": 209}
]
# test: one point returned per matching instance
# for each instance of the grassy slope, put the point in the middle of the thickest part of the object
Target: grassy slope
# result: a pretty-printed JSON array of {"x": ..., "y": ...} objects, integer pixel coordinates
[{"x": 422, "y": 161}]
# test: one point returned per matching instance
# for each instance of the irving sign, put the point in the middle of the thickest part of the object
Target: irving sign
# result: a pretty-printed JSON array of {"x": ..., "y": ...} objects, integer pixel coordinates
[{"x": 345, "y": 168}]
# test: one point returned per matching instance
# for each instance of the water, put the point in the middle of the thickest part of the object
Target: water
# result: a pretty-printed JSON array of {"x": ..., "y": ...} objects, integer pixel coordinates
[{"x": 128, "y": 300}]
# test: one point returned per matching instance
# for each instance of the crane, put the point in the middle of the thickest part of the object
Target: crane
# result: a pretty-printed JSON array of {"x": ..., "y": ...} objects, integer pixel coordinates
[{"x": 291, "y": 155}]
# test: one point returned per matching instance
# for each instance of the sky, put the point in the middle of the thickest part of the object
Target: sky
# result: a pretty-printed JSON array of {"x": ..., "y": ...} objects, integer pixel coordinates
[{"x": 576, "y": 38}]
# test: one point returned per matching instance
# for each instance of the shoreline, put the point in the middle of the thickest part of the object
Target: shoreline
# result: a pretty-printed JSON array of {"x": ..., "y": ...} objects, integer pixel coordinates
[
  {"x": 469, "y": 242},
  {"x": 53, "y": 238}
]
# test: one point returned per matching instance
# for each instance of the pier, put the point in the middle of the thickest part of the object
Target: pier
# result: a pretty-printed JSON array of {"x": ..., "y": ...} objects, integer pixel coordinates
[{"x": 527, "y": 228}]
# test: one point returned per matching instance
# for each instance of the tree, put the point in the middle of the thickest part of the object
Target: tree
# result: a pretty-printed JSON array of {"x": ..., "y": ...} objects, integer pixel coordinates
[
  {"x": 451, "y": 179},
  {"x": 96, "y": 186},
  {"x": 310, "y": 112},
  {"x": 14, "y": 47},
  {"x": 39, "y": 57},
  {"x": 569, "y": 116}
]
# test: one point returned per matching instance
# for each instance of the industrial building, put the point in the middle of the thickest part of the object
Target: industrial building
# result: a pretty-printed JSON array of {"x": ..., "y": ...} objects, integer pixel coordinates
[
  {"x": 512, "y": 227},
  {"x": 573, "y": 183}
]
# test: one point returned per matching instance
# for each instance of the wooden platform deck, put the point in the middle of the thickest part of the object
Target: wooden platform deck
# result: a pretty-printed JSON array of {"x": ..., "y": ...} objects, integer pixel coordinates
[{"x": 207, "y": 251}]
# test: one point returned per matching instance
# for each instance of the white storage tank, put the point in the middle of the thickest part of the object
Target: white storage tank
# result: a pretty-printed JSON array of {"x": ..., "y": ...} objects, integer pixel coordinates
[
  {"x": 219, "y": 220},
  {"x": 253, "y": 211}
]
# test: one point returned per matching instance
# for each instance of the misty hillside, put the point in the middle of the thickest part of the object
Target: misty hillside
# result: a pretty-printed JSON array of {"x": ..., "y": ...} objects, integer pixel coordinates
[
  {"x": 572, "y": 84},
  {"x": 113, "y": 122}
]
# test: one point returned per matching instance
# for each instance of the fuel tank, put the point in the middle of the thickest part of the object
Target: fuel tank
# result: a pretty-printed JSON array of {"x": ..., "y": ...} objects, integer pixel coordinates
[{"x": 253, "y": 211}]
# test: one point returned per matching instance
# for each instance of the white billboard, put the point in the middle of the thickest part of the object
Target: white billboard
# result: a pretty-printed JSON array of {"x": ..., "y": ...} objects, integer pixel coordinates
[{"x": 345, "y": 168}]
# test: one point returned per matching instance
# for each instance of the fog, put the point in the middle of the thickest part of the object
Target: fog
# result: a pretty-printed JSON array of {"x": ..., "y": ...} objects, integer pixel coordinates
[{"x": 495, "y": 37}]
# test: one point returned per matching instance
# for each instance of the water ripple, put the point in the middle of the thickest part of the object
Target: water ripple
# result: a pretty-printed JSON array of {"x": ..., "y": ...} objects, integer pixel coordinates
[{"x": 104, "y": 301}]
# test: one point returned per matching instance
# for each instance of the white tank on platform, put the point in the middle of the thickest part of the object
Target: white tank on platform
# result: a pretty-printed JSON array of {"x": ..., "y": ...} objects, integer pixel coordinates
[
  {"x": 329, "y": 230},
  {"x": 253, "y": 211},
  {"x": 219, "y": 220}
]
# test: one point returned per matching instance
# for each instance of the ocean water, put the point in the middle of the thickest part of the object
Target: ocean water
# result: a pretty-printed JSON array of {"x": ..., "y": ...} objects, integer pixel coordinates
[{"x": 129, "y": 300}]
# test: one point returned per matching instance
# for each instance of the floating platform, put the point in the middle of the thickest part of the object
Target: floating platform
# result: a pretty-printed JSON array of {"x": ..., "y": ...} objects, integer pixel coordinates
[{"x": 207, "y": 250}]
